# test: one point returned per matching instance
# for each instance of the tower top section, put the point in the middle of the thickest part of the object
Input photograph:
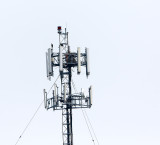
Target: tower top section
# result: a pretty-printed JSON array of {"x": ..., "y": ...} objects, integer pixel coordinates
[
  {"x": 65, "y": 57},
  {"x": 65, "y": 60}
]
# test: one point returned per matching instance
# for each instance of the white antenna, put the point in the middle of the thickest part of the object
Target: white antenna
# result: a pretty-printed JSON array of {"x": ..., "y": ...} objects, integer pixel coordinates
[
  {"x": 52, "y": 58},
  {"x": 54, "y": 99},
  {"x": 60, "y": 59},
  {"x": 47, "y": 64},
  {"x": 45, "y": 98},
  {"x": 49, "y": 61},
  {"x": 87, "y": 62},
  {"x": 78, "y": 61},
  {"x": 82, "y": 92},
  {"x": 55, "y": 92},
  {"x": 90, "y": 94}
]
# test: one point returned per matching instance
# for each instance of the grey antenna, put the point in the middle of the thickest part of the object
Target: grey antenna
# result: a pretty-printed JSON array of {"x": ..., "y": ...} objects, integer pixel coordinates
[
  {"x": 66, "y": 60},
  {"x": 52, "y": 59},
  {"x": 55, "y": 93},
  {"x": 90, "y": 95},
  {"x": 78, "y": 60},
  {"x": 54, "y": 101},
  {"x": 60, "y": 60},
  {"x": 82, "y": 92},
  {"x": 49, "y": 62},
  {"x": 47, "y": 69},
  {"x": 87, "y": 62},
  {"x": 45, "y": 98}
]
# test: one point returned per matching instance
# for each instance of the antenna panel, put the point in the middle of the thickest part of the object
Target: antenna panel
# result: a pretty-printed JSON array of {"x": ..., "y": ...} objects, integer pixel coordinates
[
  {"x": 55, "y": 93},
  {"x": 90, "y": 95},
  {"x": 52, "y": 59},
  {"x": 45, "y": 98},
  {"x": 54, "y": 98},
  {"x": 78, "y": 60},
  {"x": 82, "y": 92},
  {"x": 47, "y": 71},
  {"x": 49, "y": 62},
  {"x": 87, "y": 62},
  {"x": 60, "y": 59}
]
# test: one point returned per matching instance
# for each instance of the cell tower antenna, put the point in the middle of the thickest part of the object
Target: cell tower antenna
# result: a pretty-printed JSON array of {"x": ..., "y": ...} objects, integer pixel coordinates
[{"x": 66, "y": 101}]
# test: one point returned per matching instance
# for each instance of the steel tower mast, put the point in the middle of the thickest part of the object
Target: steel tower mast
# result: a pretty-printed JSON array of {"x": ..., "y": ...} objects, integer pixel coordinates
[{"x": 66, "y": 101}]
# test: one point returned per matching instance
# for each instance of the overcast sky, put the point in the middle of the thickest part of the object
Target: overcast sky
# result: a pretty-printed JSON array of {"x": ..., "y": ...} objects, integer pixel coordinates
[{"x": 124, "y": 41}]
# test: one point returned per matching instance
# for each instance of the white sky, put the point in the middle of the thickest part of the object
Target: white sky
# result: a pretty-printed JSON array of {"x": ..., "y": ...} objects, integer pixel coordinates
[{"x": 124, "y": 41}]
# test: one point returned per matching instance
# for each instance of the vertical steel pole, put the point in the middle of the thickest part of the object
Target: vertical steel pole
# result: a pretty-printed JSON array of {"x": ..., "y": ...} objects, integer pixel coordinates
[{"x": 70, "y": 92}]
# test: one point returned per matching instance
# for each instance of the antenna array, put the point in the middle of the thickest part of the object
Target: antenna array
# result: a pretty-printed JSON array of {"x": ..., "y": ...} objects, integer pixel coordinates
[{"x": 66, "y": 100}]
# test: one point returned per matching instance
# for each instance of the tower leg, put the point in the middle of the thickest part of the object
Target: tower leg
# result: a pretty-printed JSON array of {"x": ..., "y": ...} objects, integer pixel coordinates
[
  {"x": 67, "y": 126},
  {"x": 67, "y": 116}
]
